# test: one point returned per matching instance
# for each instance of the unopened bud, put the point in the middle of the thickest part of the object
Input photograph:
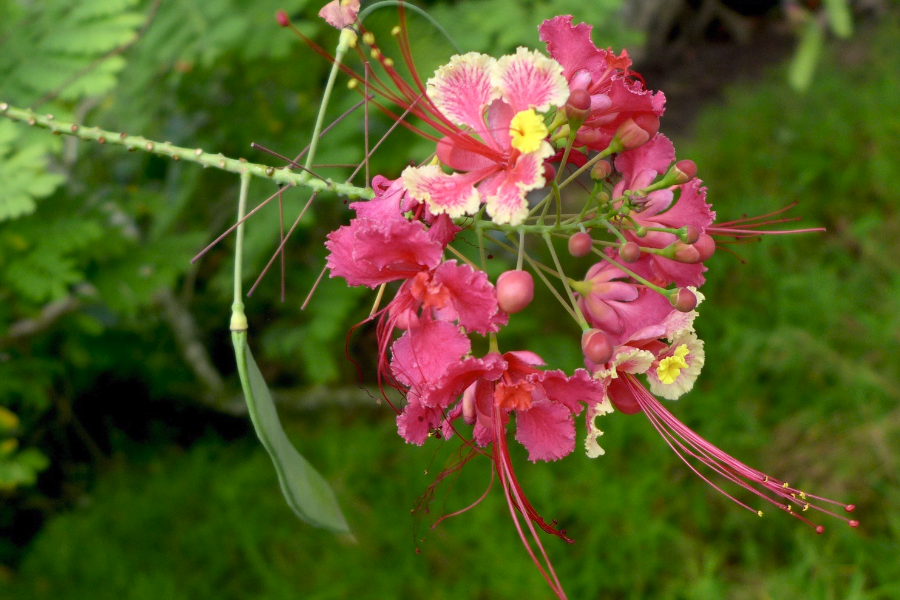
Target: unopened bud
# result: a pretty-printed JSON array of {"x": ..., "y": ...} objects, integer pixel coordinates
[
  {"x": 549, "y": 172},
  {"x": 706, "y": 246},
  {"x": 577, "y": 107},
  {"x": 630, "y": 252},
  {"x": 282, "y": 18},
  {"x": 684, "y": 300},
  {"x": 601, "y": 170},
  {"x": 685, "y": 170},
  {"x": 685, "y": 253},
  {"x": 596, "y": 346},
  {"x": 690, "y": 234},
  {"x": 468, "y": 405},
  {"x": 580, "y": 244},
  {"x": 515, "y": 290},
  {"x": 637, "y": 131}
]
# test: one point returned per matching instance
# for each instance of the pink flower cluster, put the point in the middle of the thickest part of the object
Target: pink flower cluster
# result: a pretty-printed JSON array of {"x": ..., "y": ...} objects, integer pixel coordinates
[{"x": 504, "y": 128}]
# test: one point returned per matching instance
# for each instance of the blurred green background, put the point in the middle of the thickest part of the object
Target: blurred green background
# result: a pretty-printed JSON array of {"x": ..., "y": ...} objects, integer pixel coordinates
[{"x": 129, "y": 471}]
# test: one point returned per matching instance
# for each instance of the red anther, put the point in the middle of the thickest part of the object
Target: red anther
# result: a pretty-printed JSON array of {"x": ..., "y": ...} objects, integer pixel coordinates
[
  {"x": 853, "y": 523},
  {"x": 601, "y": 170},
  {"x": 706, "y": 246},
  {"x": 577, "y": 106},
  {"x": 691, "y": 235},
  {"x": 850, "y": 507},
  {"x": 685, "y": 170},
  {"x": 580, "y": 244},
  {"x": 686, "y": 254},
  {"x": 684, "y": 301},
  {"x": 630, "y": 252},
  {"x": 283, "y": 19},
  {"x": 549, "y": 172},
  {"x": 515, "y": 290},
  {"x": 820, "y": 529},
  {"x": 596, "y": 346}
]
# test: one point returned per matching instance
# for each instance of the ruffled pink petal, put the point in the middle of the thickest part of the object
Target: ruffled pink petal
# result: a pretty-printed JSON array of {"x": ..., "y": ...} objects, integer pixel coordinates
[
  {"x": 370, "y": 253},
  {"x": 454, "y": 195},
  {"x": 656, "y": 155},
  {"x": 442, "y": 230},
  {"x": 571, "y": 45},
  {"x": 690, "y": 209},
  {"x": 505, "y": 196},
  {"x": 390, "y": 201},
  {"x": 417, "y": 421},
  {"x": 340, "y": 13},
  {"x": 647, "y": 310},
  {"x": 572, "y": 391},
  {"x": 463, "y": 88},
  {"x": 528, "y": 79},
  {"x": 460, "y": 375},
  {"x": 424, "y": 353},
  {"x": 547, "y": 430},
  {"x": 471, "y": 294}
]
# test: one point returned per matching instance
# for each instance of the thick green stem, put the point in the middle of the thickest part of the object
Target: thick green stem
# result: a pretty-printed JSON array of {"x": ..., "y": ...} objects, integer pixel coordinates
[{"x": 218, "y": 161}]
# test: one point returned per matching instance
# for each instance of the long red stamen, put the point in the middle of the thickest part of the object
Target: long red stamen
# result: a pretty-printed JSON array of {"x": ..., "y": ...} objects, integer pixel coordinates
[{"x": 687, "y": 443}]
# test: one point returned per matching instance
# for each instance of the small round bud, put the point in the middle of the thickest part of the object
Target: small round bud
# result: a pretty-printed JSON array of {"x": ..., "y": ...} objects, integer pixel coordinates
[
  {"x": 596, "y": 346},
  {"x": 578, "y": 106},
  {"x": 601, "y": 170},
  {"x": 580, "y": 244},
  {"x": 706, "y": 246},
  {"x": 685, "y": 170},
  {"x": 684, "y": 300},
  {"x": 282, "y": 18},
  {"x": 549, "y": 172},
  {"x": 515, "y": 290},
  {"x": 630, "y": 252},
  {"x": 685, "y": 253},
  {"x": 691, "y": 234}
]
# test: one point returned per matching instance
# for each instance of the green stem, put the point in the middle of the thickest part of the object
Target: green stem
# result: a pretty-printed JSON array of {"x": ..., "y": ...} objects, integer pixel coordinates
[
  {"x": 218, "y": 161},
  {"x": 578, "y": 316},
  {"x": 347, "y": 40},
  {"x": 238, "y": 318}
]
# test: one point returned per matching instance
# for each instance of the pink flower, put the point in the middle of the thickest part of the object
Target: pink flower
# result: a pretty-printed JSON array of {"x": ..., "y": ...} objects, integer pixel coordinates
[
  {"x": 340, "y": 13},
  {"x": 615, "y": 97},
  {"x": 499, "y": 152}
]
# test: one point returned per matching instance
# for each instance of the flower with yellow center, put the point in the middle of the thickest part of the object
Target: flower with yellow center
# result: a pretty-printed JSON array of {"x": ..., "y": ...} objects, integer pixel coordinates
[
  {"x": 528, "y": 131},
  {"x": 670, "y": 367}
]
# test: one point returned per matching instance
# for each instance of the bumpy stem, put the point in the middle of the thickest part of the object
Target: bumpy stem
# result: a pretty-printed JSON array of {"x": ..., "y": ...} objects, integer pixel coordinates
[{"x": 196, "y": 155}]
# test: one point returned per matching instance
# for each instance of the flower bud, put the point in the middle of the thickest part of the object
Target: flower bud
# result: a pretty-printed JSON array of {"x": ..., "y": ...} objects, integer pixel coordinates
[
  {"x": 515, "y": 290},
  {"x": 601, "y": 170},
  {"x": 577, "y": 107},
  {"x": 580, "y": 244},
  {"x": 282, "y": 18},
  {"x": 637, "y": 131},
  {"x": 685, "y": 253},
  {"x": 706, "y": 246},
  {"x": 596, "y": 346},
  {"x": 630, "y": 252},
  {"x": 683, "y": 299},
  {"x": 691, "y": 234},
  {"x": 468, "y": 405},
  {"x": 549, "y": 172},
  {"x": 685, "y": 170}
]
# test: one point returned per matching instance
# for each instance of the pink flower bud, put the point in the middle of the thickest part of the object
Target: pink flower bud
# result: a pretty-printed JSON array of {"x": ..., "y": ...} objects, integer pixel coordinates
[
  {"x": 282, "y": 18},
  {"x": 630, "y": 252},
  {"x": 468, "y": 405},
  {"x": 691, "y": 234},
  {"x": 601, "y": 170},
  {"x": 577, "y": 107},
  {"x": 515, "y": 290},
  {"x": 549, "y": 172},
  {"x": 637, "y": 131},
  {"x": 683, "y": 300},
  {"x": 685, "y": 253},
  {"x": 706, "y": 246},
  {"x": 685, "y": 170},
  {"x": 580, "y": 244},
  {"x": 596, "y": 346}
]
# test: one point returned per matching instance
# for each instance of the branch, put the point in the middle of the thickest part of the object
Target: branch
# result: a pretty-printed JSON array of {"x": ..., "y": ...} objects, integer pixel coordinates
[{"x": 279, "y": 175}]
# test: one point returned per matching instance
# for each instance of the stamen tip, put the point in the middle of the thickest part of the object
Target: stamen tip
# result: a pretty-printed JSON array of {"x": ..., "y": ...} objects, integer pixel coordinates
[
  {"x": 850, "y": 507},
  {"x": 853, "y": 523},
  {"x": 820, "y": 529}
]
